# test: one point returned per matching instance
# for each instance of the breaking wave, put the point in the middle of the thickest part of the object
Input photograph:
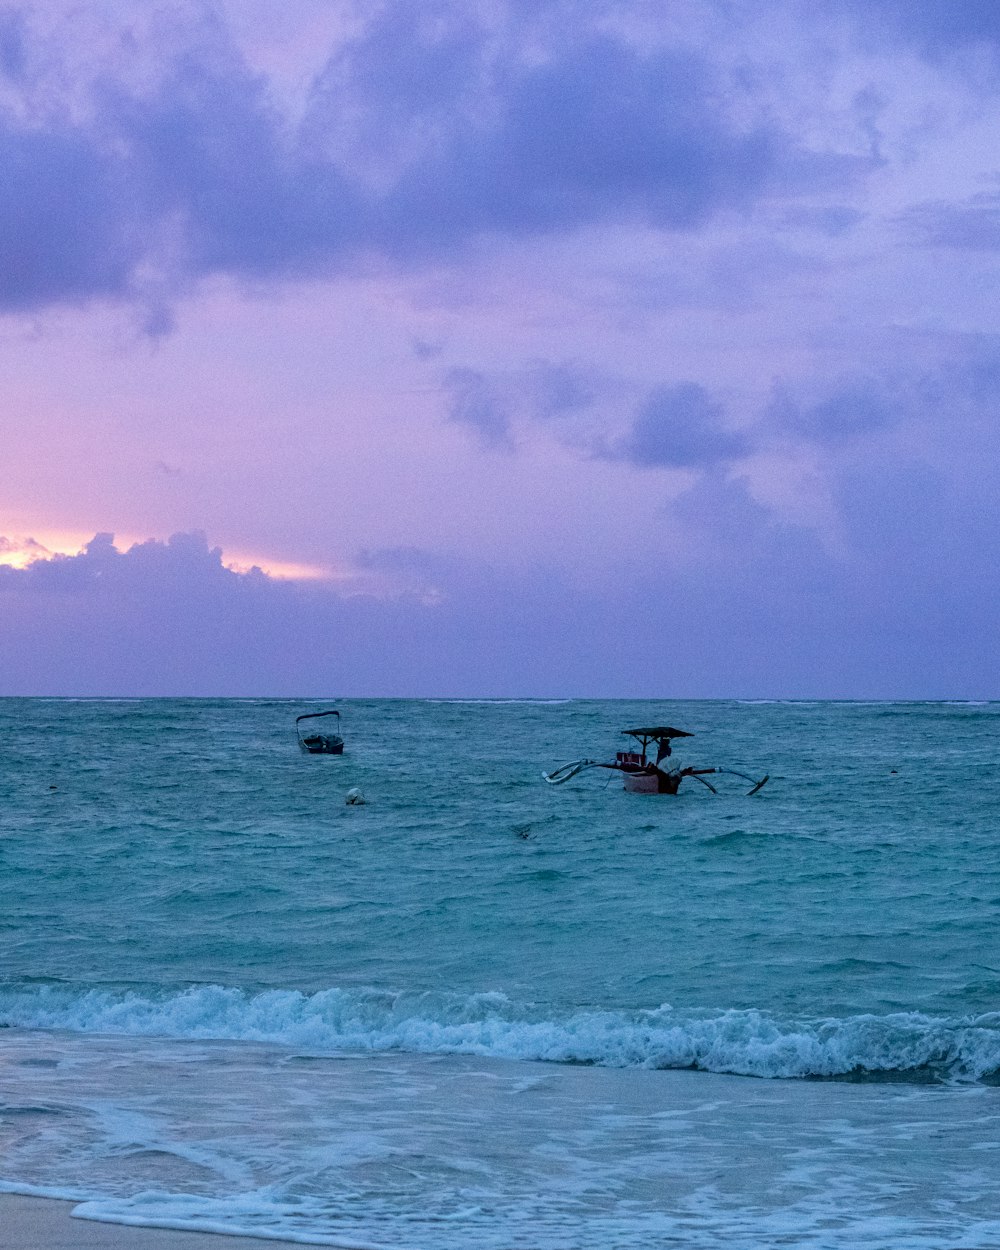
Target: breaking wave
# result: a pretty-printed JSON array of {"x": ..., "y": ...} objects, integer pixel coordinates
[{"x": 905, "y": 1045}]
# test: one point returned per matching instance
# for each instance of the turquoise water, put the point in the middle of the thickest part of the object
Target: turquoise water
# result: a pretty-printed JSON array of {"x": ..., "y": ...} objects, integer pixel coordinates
[{"x": 483, "y": 1011}]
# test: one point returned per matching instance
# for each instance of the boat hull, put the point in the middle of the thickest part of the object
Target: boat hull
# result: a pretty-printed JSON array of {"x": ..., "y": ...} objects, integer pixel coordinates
[
  {"x": 651, "y": 781},
  {"x": 323, "y": 744}
]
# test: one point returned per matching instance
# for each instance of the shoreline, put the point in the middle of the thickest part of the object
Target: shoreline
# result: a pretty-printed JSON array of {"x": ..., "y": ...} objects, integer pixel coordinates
[{"x": 30, "y": 1223}]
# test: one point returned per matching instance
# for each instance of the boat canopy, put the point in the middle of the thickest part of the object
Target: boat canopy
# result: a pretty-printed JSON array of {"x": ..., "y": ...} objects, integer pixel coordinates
[
  {"x": 310, "y": 715},
  {"x": 662, "y": 731}
]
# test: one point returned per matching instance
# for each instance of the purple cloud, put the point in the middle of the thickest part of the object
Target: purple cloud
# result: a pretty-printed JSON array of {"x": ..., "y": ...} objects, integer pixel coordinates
[
  {"x": 933, "y": 25},
  {"x": 558, "y": 389},
  {"x": 853, "y": 409},
  {"x": 679, "y": 427},
  {"x": 600, "y": 132},
  {"x": 13, "y": 38},
  {"x": 970, "y": 225},
  {"x": 476, "y": 402},
  {"x": 422, "y": 135},
  {"x": 65, "y": 234},
  {"x": 765, "y": 613}
]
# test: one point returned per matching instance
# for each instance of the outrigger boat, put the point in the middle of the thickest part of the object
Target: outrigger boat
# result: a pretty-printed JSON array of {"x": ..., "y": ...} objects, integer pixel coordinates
[
  {"x": 644, "y": 776},
  {"x": 318, "y": 743}
]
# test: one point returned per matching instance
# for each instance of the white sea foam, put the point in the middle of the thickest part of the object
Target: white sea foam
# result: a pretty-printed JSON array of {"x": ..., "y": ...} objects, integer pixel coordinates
[
  {"x": 420, "y": 1152},
  {"x": 746, "y": 1043},
  {"x": 502, "y": 702}
]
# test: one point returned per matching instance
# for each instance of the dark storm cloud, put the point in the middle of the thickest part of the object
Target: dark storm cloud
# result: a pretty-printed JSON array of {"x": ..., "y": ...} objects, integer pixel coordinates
[
  {"x": 679, "y": 427},
  {"x": 424, "y": 133}
]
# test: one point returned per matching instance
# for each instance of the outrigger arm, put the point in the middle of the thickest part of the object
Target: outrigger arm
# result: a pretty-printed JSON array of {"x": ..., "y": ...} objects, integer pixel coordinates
[
  {"x": 757, "y": 785},
  {"x": 559, "y": 775},
  {"x": 696, "y": 774},
  {"x": 567, "y": 771}
]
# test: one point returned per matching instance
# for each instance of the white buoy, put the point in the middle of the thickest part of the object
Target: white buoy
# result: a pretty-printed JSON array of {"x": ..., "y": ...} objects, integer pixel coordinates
[{"x": 354, "y": 796}]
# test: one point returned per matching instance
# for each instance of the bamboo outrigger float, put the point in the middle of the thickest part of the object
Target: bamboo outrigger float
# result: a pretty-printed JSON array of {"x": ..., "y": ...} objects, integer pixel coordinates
[{"x": 644, "y": 776}]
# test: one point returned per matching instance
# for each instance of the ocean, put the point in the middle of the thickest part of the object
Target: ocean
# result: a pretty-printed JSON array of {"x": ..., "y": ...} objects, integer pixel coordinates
[{"x": 480, "y": 1012}]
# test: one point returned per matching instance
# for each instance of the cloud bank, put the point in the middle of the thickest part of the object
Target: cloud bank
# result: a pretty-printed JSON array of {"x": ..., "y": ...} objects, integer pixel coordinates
[{"x": 168, "y": 618}]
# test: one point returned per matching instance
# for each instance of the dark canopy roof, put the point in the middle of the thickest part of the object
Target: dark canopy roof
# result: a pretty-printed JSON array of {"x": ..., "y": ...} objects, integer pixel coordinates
[{"x": 662, "y": 731}]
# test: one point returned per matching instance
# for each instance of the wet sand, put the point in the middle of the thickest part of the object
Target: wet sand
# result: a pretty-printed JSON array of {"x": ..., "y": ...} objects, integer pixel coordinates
[{"x": 47, "y": 1224}]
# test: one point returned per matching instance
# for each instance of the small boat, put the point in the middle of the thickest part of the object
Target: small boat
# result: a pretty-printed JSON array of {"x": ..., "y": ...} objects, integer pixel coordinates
[
  {"x": 641, "y": 774},
  {"x": 316, "y": 743}
]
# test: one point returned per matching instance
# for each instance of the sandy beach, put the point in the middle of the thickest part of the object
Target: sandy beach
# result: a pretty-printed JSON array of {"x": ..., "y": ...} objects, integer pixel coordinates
[{"x": 48, "y": 1224}]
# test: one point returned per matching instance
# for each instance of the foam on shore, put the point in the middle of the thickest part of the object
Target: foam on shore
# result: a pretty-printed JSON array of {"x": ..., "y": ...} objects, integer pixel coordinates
[{"x": 26, "y": 1223}]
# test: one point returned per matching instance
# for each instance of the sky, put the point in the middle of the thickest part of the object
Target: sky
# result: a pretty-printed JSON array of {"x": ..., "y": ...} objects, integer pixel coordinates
[{"x": 500, "y": 348}]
